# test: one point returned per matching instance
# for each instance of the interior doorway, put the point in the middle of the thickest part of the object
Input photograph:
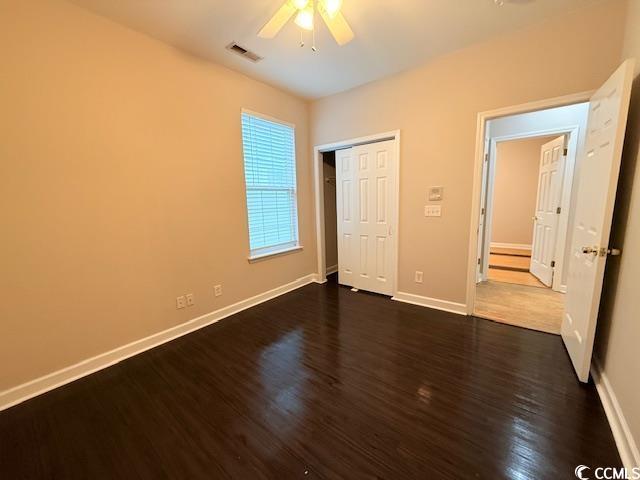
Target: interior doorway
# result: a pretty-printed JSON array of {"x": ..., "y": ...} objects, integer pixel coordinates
[
  {"x": 597, "y": 167},
  {"x": 528, "y": 180}
]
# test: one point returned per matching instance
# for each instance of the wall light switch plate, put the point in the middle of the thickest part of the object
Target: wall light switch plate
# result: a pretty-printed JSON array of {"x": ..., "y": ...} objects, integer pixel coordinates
[
  {"x": 436, "y": 194},
  {"x": 419, "y": 276},
  {"x": 433, "y": 211}
]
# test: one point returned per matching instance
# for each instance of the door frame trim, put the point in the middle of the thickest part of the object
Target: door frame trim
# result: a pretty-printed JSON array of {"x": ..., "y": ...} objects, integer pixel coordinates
[
  {"x": 318, "y": 188},
  {"x": 482, "y": 119}
]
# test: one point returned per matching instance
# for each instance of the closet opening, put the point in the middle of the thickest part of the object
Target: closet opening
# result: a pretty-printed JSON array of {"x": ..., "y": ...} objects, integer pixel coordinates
[{"x": 356, "y": 187}]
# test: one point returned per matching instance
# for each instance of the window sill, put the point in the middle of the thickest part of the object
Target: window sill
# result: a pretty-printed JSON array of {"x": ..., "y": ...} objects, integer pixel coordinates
[{"x": 275, "y": 253}]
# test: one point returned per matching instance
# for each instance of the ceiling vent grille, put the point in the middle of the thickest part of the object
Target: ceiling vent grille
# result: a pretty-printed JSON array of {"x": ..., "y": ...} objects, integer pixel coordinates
[{"x": 243, "y": 52}]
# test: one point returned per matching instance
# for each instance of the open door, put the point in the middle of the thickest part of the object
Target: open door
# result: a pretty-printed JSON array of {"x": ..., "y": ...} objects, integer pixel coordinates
[
  {"x": 545, "y": 227},
  {"x": 594, "y": 211},
  {"x": 483, "y": 237}
]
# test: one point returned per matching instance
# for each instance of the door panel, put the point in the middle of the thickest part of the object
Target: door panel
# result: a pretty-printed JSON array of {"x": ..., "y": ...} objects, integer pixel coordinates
[
  {"x": 546, "y": 219},
  {"x": 484, "y": 247},
  {"x": 368, "y": 263},
  {"x": 593, "y": 214},
  {"x": 347, "y": 253}
]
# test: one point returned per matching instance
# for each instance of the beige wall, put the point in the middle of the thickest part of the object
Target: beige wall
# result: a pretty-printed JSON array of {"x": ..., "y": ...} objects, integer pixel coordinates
[
  {"x": 330, "y": 214},
  {"x": 121, "y": 187},
  {"x": 618, "y": 333},
  {"x": 436, "y": 108},
  {"x": 515, "y": 190}
]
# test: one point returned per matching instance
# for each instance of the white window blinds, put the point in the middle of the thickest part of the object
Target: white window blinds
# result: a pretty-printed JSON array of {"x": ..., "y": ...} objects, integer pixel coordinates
[{"x": 270, "y": 176}]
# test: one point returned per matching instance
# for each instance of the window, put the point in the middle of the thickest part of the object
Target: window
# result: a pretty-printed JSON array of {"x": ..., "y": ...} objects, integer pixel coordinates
[{"x": 270, "y": 177}]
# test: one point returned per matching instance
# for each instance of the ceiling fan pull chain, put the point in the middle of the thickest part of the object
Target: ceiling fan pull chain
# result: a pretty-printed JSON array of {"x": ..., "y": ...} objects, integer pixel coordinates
[
  {"x": 301, "y": 39},
  {"x": 313, "y": 39}
]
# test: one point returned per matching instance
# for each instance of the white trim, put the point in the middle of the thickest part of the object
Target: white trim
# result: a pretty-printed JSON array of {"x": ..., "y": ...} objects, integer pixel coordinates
[
  {"x": 332, "y": 269},
  {"x": 435, "y": 303},
  {"x": 512, "y": 246},
  {"x": 20, "y": 393},
  {"x": 627, "y": 446},
  {"x": 268, "y": 118},
  {"x": 318, "y": 187},
  {"x": 352, "y": 142},
  {"x": 274, "y": 253},
  {"x": 482, "y": 119}
]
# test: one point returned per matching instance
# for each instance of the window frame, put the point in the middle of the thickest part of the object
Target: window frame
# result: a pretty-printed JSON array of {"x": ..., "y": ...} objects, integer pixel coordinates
[{"x": 263, "y": 253}]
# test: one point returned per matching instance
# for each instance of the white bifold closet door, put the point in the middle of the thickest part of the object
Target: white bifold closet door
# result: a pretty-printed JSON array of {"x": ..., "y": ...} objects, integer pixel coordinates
[{"x": 365, "y": 181}]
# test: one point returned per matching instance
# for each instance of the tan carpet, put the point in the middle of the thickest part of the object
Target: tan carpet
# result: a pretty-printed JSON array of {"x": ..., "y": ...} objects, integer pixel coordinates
[{"x": 524, "y": 306}]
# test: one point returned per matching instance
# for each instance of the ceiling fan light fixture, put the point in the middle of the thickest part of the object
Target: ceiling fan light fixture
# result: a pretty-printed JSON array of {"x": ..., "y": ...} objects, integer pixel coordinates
[
  {"x": 300, "y": 4},
  {"x": 332, "y": 7},
  {"x": 304, "y": 18}
]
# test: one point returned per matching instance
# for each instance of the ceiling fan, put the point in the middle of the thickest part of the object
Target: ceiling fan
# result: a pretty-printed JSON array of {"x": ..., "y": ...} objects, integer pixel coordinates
[{"x": 304, "y": 11}]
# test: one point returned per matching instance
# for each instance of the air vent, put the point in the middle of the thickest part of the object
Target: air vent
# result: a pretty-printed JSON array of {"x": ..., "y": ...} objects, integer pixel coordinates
[{"x": 243, "y": 52}]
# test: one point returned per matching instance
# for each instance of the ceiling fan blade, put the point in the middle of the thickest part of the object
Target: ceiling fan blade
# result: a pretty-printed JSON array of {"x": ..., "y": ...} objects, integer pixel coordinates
[
  {"x": 338, "y": 27},
  {"x": 278, "y": 21}
]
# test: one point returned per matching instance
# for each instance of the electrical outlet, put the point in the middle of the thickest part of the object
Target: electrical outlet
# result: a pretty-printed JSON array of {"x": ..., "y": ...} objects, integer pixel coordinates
[
  {"x": 419, "y": 276},
  {"x": 191, "y": 301},
  {"x": 217, "y": 290},
  {"x": 432, "y": 211},
  {"x": 181, "y": 302}
]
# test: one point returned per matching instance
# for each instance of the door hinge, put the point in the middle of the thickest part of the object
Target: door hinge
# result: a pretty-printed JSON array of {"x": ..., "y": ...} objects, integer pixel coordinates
[
  {"x": 553, "y": 263},
  {"x": 558, "y": 210},
  {"x": 486, "y": 157},
  {"x": 565, "y": 152},
  {"x": 478, "y": 261},
  {"x": 482, "y": 211}
]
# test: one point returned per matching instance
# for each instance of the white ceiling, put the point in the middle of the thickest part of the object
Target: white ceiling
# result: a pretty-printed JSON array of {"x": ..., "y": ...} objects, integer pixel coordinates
[{"x": 391, "y": 35}]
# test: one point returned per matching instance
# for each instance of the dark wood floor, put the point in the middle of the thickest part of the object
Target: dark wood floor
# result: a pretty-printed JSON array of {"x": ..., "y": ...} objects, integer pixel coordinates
[{"x": 321, "y": 383}]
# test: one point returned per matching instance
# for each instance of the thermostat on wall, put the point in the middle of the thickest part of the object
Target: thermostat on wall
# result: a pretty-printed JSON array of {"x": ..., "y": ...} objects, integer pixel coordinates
[{"x": 435, "y": 194}]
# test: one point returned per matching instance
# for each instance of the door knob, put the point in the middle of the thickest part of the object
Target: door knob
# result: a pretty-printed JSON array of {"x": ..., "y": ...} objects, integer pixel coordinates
[{"x": 603, "y": 252}]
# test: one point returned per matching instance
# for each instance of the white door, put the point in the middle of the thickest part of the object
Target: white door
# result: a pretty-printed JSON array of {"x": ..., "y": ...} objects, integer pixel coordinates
[
  {"x": 547, "y": 215},
  {"x": 483, "y": 240},
  {"x": 345, "y": 207},
  {"x": 594, "y": 210},
  {"x": 365, "y": 177}
]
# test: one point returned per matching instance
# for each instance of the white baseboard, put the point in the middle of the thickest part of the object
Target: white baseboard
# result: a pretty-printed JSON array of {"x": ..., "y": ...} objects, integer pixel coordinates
[
  {"x": 452, "y": 307},
  {"x": 20, "y": 393},
  {"x": 332, "y": 269},
  {"x": 514, "y": 246},
  {"x": 627, "y": 446}
]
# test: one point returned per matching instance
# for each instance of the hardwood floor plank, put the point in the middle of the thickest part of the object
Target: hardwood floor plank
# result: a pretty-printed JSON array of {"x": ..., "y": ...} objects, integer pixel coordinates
[
  {"x": 517, "y": 278},
  {"x": 517, "y": 252},
  {"x": 321, "y": 383},
  {"x": 512, "y": 262}
]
